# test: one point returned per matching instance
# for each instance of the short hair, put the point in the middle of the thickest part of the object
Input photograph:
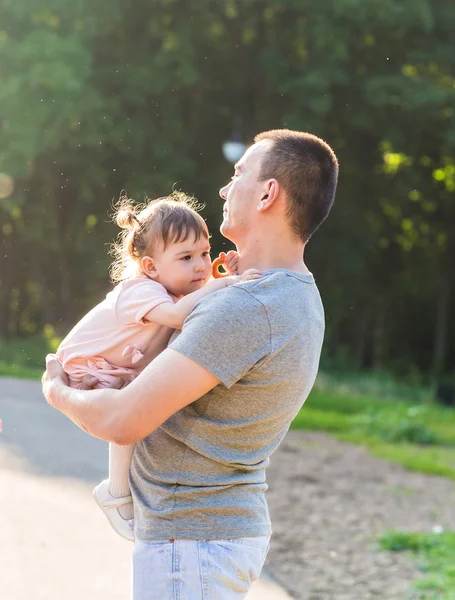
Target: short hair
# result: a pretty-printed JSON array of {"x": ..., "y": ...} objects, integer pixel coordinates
[
  {"x": 307, "y": 169},
  {"x": 164, "y": 221}
]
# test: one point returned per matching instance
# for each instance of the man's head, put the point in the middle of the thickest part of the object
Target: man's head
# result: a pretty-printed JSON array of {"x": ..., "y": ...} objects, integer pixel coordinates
[{"x": 300, "y": 166}]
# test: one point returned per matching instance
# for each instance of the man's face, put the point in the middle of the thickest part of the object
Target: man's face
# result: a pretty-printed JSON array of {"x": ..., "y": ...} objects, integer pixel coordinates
[{"x": 242, "y": 193}]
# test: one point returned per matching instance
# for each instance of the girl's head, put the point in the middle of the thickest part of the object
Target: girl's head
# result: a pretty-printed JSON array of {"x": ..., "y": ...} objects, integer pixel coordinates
[{"x": 166, "y": 240}]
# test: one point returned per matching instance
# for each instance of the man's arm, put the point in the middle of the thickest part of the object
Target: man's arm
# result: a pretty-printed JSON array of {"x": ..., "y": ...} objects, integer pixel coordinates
[
  {"x": 166, "y": 385},
  {"x": 211, "y": 349}
]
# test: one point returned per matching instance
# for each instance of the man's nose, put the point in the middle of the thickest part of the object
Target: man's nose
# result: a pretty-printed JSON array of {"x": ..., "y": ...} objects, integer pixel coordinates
[{"x": 223, "y": 191}]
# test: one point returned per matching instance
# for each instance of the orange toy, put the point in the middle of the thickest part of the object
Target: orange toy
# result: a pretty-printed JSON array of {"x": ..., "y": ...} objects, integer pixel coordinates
[{"x": 216, "y": 273}]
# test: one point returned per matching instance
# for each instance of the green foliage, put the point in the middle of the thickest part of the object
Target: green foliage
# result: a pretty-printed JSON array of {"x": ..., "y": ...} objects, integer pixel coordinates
[
  {"x": 400, "y": 424},
  {"x": 422, "y": 459},
  {"x": 97, "y": 98},
  {"x": 397, "y": 541},
  {"x": 380, "y": 406},
  {"x": 27, "y": 356},
  {"x": 358, "y": 388},
  {"x": 321, "y": 420},
  {"x": 434, "y": 553},
  {"x": 394, "y": 424},
  {"x": 420, "y": 437},
  {"x": 18, "y": 371}
]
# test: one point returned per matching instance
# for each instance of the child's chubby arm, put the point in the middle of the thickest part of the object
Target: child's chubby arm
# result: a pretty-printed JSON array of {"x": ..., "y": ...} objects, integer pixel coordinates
[{"x": 174, "y": 315}]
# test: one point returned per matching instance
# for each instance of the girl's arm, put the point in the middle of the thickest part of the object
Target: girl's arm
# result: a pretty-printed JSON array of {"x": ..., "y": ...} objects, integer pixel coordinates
[{"x": 173, "y": 315}]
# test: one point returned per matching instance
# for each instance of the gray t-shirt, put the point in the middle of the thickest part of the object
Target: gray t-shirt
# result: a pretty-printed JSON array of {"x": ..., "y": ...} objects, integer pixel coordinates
[{"x": 201, "y": 475}]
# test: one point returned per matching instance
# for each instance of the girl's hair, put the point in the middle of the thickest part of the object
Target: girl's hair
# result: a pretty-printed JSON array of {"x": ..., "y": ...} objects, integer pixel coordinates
[{"x": 163, "y": 221}]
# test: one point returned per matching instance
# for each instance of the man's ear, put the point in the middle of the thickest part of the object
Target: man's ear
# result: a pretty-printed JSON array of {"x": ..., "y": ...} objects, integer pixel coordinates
[
  {"x": 148, "y": 267},
  {"x": 270, "y": 194}
]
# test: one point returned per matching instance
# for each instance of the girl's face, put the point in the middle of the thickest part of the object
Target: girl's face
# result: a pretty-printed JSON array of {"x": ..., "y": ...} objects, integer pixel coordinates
[{"x": 182, "y": 267}]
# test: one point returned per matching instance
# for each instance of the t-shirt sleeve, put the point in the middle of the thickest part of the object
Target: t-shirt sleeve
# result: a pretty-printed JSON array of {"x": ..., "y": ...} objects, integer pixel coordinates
[
  {"x": 136, "y": 300},
  {"x": 227, "y": 333}
]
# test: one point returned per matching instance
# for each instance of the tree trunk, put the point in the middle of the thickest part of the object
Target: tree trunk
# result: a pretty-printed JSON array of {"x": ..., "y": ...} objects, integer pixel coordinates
[
  {"x": 379, "y": 337},
  {"x": 441, "y": 328},
  {"x": 360, "y": 340}
]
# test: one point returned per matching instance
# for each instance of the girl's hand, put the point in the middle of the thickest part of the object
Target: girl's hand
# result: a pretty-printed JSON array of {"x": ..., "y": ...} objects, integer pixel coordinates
[
  {"x": 248, "y": 275},
  {"x": 230, "y": 261}
]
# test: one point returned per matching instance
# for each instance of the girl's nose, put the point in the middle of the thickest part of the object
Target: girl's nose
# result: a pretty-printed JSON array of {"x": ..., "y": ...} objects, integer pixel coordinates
[{"x": 199, "y": 265}]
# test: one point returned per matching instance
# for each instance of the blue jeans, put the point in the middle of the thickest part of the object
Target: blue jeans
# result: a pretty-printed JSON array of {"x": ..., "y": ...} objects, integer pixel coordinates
[{"x": 197, "y": 569}]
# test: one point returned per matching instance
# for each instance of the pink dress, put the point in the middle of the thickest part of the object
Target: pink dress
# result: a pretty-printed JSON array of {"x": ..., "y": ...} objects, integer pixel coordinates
[{"x": 115, "y": 339}]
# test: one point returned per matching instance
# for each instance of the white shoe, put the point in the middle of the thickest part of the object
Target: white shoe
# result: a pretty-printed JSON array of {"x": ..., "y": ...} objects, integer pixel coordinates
[{"x": 109, "y": 505}]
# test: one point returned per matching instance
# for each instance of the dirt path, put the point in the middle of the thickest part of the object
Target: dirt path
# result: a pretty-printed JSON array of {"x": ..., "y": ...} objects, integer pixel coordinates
[
  {"x": 54, "y": 541},
  {"x": 328, "y": 500}
]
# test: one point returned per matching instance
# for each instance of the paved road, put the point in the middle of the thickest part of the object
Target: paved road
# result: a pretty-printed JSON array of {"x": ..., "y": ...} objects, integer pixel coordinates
[{"x": 54, "y": 542}]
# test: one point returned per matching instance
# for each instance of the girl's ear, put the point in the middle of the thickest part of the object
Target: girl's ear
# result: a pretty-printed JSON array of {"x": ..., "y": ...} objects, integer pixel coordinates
[{"x": 148, "y": 267}]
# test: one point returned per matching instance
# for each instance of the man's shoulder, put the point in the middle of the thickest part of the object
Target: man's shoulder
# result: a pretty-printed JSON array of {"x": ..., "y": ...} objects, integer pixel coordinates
[
  {"x": 230, "y": 308},
  {"x": 276, "y": 288},
  {"x": 238, "y": 295}
]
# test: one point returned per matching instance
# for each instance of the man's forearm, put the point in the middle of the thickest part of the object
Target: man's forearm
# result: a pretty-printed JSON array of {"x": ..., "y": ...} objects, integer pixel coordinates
[
  {"x": 125, "y": 416},
  {"x": 94, "y": 411}
]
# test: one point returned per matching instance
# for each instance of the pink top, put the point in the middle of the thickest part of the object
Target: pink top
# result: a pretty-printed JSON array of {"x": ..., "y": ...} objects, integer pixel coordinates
[{"x": 114, "y": 339}]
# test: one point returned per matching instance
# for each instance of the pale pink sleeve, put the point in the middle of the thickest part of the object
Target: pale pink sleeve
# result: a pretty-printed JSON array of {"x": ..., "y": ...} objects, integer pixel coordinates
[{"x": 136, "y": 300}]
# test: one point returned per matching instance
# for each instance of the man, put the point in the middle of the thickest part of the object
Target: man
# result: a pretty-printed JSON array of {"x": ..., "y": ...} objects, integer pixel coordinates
[{"x": 209, "y": 411}]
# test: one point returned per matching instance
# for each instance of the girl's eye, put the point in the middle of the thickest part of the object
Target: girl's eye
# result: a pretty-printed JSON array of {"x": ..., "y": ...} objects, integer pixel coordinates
[
  {"x": 188, "y": 257},
  {"x": 205, "y": 254}
]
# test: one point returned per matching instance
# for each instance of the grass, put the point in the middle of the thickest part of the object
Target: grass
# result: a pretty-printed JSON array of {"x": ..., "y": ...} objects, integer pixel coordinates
[
  {"x": 24, "y": 357},
  {"x": 409, "y": 430},
  {"x": 12, "y": 370},
  {"x": 434, "y": 553},
  {"x": 378, "y": 384}
]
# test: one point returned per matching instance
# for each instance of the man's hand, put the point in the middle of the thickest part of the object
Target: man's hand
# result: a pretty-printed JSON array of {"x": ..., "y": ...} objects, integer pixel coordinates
[{"x": 53, "y": 376}]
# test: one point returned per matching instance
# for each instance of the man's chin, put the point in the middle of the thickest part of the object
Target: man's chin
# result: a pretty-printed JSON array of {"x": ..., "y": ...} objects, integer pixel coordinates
[{"x": 226, "y": 231}]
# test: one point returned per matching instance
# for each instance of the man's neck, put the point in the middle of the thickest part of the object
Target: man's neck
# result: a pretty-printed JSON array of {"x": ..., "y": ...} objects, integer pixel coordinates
[{"x": 271, "y": 252}]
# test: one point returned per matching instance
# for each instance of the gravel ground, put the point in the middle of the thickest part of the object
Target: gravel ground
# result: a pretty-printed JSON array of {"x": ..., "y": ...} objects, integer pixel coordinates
[{"x": 328, "y": 500}]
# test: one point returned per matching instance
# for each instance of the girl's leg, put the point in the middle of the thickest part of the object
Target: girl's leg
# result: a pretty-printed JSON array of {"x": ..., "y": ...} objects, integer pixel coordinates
[{"x": 119, "y": 467}]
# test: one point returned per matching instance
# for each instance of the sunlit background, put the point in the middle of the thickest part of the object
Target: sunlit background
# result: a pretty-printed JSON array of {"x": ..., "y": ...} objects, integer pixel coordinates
[
  {"x": 100, "y": 97},
  {"x": 147, "y": 96}
]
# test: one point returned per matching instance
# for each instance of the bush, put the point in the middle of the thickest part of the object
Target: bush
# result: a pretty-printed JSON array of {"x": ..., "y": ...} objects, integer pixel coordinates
[{"x": 402, "y": 424}]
